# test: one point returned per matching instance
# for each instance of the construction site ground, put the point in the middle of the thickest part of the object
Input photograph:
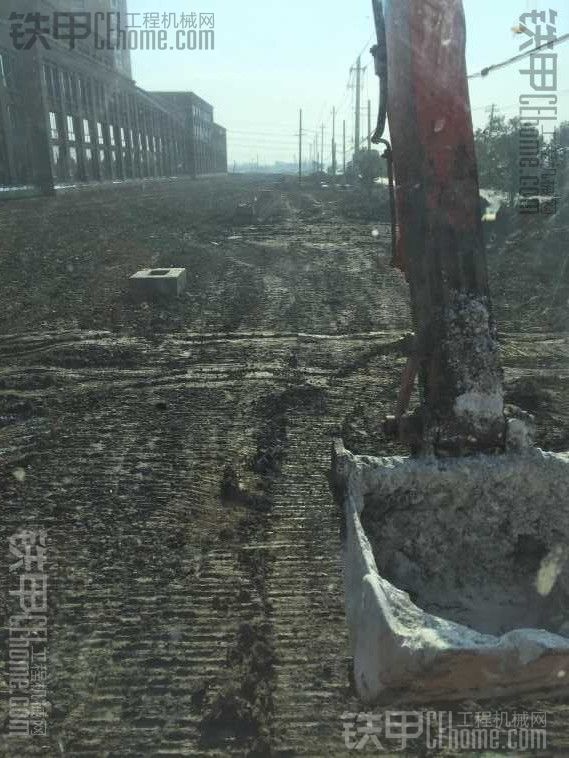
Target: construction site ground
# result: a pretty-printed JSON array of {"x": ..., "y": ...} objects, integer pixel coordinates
[{"x": 178, "y": 453}]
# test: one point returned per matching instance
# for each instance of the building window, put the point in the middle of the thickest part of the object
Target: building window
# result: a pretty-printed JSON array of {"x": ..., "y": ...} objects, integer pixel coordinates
[
  {"x": 72, "y": 89},
  {"x": 56, "y": 82},
  {"x": 86, "y": 131},
  {"x": 101, "y": 97},
  {"x": 86, "y": 92},
  {"x": 6, "y": 70},
  {"x": 100, "y": 133},
  {"x": 12, "y": 118},
  {"x": 66, "y": 88},
  {"x": 70, "y": 129},
  {"x": 53, "y": 125},
  {"x": 48, "y": 80}
]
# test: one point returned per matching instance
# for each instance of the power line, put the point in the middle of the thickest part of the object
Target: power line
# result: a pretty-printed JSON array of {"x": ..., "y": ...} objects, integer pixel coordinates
[
  {"x": 261, "y": 134},
  {"x": 268, "y": 140},
  {"x": 280, "y": 141},
  {"x": 519, "y": 57},
  {"x": 365, "y": 47},
  {"x": 340, "y": 109},
  {"x": 256, "y": 137}
]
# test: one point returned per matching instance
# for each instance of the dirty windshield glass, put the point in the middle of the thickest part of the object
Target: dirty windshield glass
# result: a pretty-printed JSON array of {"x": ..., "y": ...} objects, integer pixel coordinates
[{"x": 284, "y": 359}]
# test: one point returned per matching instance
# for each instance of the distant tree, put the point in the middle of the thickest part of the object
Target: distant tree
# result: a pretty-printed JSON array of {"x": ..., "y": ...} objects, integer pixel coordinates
[
  {"x": 497, "y": 152},
  {"x": 370, "y": 166},
  {"x": 563, "y": 134}
]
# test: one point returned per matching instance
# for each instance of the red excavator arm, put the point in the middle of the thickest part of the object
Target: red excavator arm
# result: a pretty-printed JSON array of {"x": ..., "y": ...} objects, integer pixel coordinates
[{"x": 440, "y": 242}]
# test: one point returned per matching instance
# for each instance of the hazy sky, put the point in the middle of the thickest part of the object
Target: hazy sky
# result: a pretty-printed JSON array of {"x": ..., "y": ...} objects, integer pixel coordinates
[{"x": 271, "y": 58}]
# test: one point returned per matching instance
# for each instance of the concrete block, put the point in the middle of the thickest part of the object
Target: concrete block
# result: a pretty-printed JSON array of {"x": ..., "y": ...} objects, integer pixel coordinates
[
  {"x": 159, "y": 282},
  {"x": 481, "y": 545}
]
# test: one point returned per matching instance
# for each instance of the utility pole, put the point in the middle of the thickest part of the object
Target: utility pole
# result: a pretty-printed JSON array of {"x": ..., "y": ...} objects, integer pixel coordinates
[
  {"x": 344, "y": 147},
  {"x": 316, "y": 153},
  {"x": 334, "y": 143},
  {"x": 369, "y": 124},
  {"x": 322, "y": 148},
  {"x": 358, "y": 69},
  {"x": 300, "y": 149}
]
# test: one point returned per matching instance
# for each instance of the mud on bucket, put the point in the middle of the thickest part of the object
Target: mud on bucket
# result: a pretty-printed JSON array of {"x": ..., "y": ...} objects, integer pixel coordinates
[{"x": 456, "y": 573}]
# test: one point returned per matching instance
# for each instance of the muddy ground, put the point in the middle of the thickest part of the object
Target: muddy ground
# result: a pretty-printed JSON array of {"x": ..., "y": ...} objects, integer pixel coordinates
[{"x": 178, "y": 454}]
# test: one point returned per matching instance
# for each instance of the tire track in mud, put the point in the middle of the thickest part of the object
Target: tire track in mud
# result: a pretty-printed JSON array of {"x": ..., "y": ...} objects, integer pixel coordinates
[
  {"x": 312, "y": 686},
  {"x": 162, "y": 612},
  {"x": 196, "y": 591},
  {"x": 148, "y": 601},
  {"x": 196, "y": 602}
]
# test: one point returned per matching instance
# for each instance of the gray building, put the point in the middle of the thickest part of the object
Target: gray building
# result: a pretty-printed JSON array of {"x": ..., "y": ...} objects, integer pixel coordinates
[
  {"x": 208, "y": 140},
  {"x": 77, "y": 115},
  {"x": 219, "y": 149}
]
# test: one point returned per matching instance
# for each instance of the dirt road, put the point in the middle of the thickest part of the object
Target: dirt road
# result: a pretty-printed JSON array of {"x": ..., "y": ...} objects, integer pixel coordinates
[{"x": 178, "y": 457}]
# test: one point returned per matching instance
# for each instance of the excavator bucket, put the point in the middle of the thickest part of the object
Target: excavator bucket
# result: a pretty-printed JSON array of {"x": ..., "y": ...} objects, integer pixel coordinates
[
  {"x": 456, "y": 574},
  {"x": 456, "y": 557}
]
